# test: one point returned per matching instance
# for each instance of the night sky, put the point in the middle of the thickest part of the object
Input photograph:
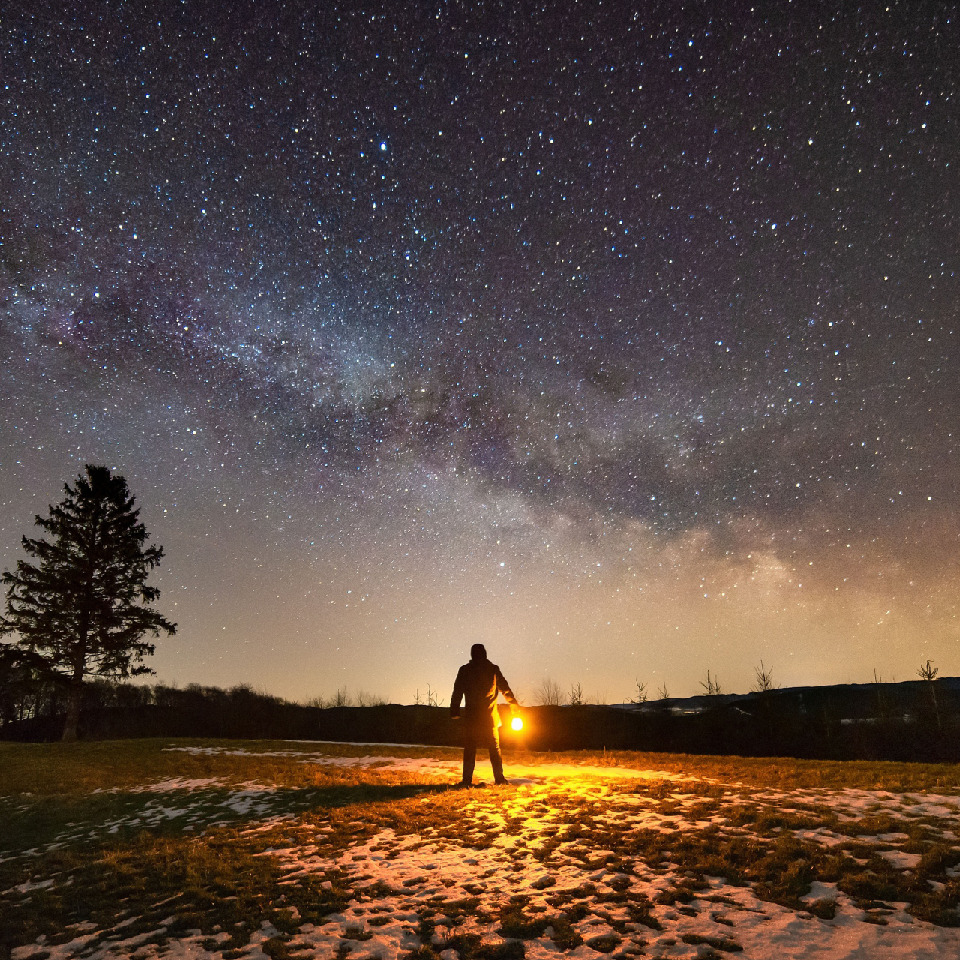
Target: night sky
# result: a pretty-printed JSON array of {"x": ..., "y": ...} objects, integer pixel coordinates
[{"x": 623, "y": 338}]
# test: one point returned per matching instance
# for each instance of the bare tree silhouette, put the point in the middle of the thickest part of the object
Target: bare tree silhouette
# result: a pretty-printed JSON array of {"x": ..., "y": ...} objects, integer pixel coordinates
[
  {"x": 764, "y": 679},
  {"x": 548, "y": 693},
  {"x": 711, "y": 686},
  {"x": 928, "y": 673}
]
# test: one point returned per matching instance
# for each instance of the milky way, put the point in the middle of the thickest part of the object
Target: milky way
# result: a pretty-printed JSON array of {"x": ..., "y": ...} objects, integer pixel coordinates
[{"x": 624, "y": 338}]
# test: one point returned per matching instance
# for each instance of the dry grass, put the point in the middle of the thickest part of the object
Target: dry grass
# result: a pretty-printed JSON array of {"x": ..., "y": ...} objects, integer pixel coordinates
[
  {"x": 774, "y": 773},
  {"x": 83, "y": 843},
  {"x": 82, "y": 768}
]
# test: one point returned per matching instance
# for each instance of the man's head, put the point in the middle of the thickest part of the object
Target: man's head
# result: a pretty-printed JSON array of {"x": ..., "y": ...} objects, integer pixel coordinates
[{"x": 478, "y": 652}]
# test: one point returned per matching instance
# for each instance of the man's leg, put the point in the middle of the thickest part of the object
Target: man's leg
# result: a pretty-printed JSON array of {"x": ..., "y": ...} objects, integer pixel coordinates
[
  {"x": 469, "y": 760},
  {"x": 496, "y": 759}
]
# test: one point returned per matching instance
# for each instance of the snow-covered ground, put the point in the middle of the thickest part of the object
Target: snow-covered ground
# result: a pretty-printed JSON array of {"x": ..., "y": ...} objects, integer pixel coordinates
[{"x": 584, "y": 862}]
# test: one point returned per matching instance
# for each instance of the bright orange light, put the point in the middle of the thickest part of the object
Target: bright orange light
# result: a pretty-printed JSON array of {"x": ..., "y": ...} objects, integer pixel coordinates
[{"x": 516, "y": 724}]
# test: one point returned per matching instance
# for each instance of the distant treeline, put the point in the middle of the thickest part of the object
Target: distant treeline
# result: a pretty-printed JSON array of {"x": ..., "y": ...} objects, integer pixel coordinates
[
  {"x": 916, "y": 720},
  {"x": 123, "y": 710},
  {"x": 912, "y": 721}
]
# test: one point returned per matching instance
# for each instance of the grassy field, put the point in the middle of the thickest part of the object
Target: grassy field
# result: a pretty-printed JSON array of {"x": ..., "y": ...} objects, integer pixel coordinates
[{"x": 242, "y": 848}]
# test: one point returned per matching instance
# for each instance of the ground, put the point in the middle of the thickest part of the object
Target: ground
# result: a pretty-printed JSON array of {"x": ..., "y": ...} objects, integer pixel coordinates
[{"x": 248, "y": 849}]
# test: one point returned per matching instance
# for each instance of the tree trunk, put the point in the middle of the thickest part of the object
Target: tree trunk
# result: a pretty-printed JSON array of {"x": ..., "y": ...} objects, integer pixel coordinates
[
  {"x": 75, "y": 689},
  {"x": 71, "y": 725},
  {"x": 936, "y": 705},
  {"x": 72, "y": 722}
]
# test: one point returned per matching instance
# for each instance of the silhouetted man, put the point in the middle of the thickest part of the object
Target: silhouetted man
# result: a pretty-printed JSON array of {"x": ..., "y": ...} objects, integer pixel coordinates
[{"x": 478, "y": 684}]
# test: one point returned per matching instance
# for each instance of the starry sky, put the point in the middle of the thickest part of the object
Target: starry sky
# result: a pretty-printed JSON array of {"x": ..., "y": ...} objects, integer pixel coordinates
[{"x": 623, "y": 338}]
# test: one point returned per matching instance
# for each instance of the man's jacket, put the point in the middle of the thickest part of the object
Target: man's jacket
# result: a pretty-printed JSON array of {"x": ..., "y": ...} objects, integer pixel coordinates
[{"x": 478, "y": 683}]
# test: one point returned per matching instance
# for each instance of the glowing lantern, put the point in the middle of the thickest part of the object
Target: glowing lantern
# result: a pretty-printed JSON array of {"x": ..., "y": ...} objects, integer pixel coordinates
[{"x": 516, "y": 723}]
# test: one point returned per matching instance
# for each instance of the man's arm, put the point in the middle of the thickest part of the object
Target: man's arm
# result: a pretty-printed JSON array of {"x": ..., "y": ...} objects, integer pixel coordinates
[
  {"x": 457, "y": 694},
  {"x": 504, "y": 688}
]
